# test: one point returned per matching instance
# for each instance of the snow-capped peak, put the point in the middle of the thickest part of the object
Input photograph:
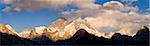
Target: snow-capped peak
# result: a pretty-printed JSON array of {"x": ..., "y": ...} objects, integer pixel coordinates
[
  {"x": 7, "y": 29},
  {"x": 10, "y": 28},
  {"x": 40, "y": 29},
  {"x": 25, "y": 33},
  {"x": 65, "y": 29},
  {"x": 37, "y": 31}
]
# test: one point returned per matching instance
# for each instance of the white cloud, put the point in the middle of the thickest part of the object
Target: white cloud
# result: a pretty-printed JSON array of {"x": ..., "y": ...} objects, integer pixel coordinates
[
  {"x": 107, "y": 20},
  {"x": 118, "y": 22},
  {"x": 114, "y": 5},
  {"x": 7, "y": 1},
  {"x": 29, "y": 5}
]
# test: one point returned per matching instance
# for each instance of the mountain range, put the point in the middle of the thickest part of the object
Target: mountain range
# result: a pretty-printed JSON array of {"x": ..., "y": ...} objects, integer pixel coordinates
[{"x": 62, "y": 32}]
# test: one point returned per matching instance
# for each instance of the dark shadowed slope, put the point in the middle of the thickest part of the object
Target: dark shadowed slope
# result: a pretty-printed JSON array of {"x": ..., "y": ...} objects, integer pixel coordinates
[{"x": 81, "y": 37}]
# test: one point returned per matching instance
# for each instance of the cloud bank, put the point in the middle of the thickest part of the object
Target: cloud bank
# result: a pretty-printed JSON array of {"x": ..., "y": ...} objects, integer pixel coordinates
[
  {"x": 18, "y": 5},
  {"x": 110, "y": 18}
]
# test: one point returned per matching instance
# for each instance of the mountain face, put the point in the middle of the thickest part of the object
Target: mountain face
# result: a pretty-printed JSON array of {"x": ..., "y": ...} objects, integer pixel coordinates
[
  {"x": 61, "y": 29},
  {"x": 7, "y": 29}
]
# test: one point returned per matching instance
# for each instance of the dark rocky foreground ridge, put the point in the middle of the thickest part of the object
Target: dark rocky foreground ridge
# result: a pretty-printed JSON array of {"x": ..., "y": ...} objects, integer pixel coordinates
[{"x": 81, "y": 37}]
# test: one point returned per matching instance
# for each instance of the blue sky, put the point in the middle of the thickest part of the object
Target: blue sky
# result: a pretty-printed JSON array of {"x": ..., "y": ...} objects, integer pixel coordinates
[
  {"x": 29, "y": 20},
  {"x": 44, "y": 16}
]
